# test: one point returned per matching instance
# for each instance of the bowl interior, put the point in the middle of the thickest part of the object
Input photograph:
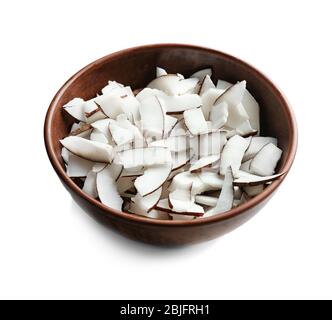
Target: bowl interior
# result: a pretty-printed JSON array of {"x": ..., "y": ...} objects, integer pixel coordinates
[{"x": 136, "y": 68}]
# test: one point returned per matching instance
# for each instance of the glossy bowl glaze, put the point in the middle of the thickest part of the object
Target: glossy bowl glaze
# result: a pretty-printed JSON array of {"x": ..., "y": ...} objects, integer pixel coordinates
[{"x": 136, "y": 67}]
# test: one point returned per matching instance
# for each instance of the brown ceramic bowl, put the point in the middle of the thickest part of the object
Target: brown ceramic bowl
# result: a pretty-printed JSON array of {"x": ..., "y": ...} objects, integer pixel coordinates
[{"x": 136, "y": 67}]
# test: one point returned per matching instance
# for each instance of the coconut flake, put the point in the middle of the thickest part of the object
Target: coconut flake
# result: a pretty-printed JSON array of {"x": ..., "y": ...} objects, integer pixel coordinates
[
  {"x": 206, "y": 85},
  {"x": 90, "y": 184},
  {"x": 201, "y": 74},
  {"x": 152, "y": 117},
  {"x": 153, "y": 178},
  {"x": 149, "y": 201},
  {"x": 77, "y": 166},
  {"x": 256, "y": 144},
  {"x": 195, "y": 121},
  {"x": 75, "y": 108},
  {"x": 225, "y": 200},
  {"x": 204, "y": 162},
  {"x": 265, "y": 161},
  {"x": 140, "y": 157},
  {"x": 90, "y": 150},
  {"x": 232, "y": 154},
  {"x": 245, "y": 178},
  {"x": 107, "y": 188},
  {"x": 219, "y": 115},
  {"x": 179, "y": 104},
  {"x": 206, "y": 200},
  {"x": 160, "y": 72}
]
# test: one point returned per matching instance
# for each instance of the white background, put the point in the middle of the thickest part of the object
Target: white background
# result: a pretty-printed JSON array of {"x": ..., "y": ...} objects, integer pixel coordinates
[{"x": 49, "y": 248}]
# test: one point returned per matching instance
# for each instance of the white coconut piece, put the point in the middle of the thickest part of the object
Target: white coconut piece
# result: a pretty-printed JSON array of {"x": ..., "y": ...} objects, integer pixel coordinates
[
  {"x": 225, "y": 200},
  {"x": 256, "y": 144},
  {"x": 181, "y": 200},
  {"x": 121, "y": 92},
  {"x": 252, "y": 191},
  {"x": 237, "y": 115},
  {"x": 152, "y": 117},
  {"x": 249, "y": 103},
  {"x": 153, "y": 178},
  {"x": 148, "y": 93},
  {"x": 245, "y": 129},
  {"x": 134, "y": 158},
  {"x": 246, "y": 178},
  {"x": 112, "y": 85},
  {"x": 245, "y": 166},
  {"x": 120, "y": 135},
  {"x": 219, "y": 114},
  {"x": 212, "y": 179},
  {"x": 130, "y": 106},
  {"x": 265, "y": 161},
  {"x": 160, "y": 72},
  {"x": 196, "y": 210},
  {"x": 183, "y": 180},
  {"x": 252, "y": 108},
  {"x": 90, "y": 150},
  {"x": 103, "y": 126},
  {"x": 65, "y": 154},
  {"x": 92, "y": 111},
  {"x": 77, "y": 166},
  {"x": 98, "y": 136},
  {"x": 153, "y": 214},
  {"x": 149, "y": 201},
  {"x": 163, "y": 206},
  {"x": 174, "y": 144},
  {"x": 206, "y": 200},
  {"x": 190, "y": 85},
  {"x": 124, "y": 123},
  {"x": 201, "y": 74},
  {"x": 232, "y": 154},
  {"x": 168, "y": 83},
  {"x": 233, "y": 95},
  {"x": 206, "y": 85},
  {"x": 195, "y": 121},
  {"x": 203, "y": 162},
  {"x": 110, "y": 103},
  {"x": 179, "y": 104},
  {"x": 107, "y": 189},
  {"x": 82, "y": 130},
  {"x": 75, "y": 108},
  {"x": 207, "y": 144},
  {"x": 90, "y": 185},
  {"x": 170, "y": 122},
  {"x": 76, "y": 126},
  {"x": 224, "y": 85},
  {"x": 189, "y": 181},
  {"x": 179, "y": 129},
  {"x": 179, "y": 159},
  {"x": 97, "y": 167},
  {"x": 208, "y": 99}
]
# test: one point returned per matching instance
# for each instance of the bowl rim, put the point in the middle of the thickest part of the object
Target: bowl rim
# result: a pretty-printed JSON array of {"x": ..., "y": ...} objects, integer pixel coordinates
[{"x": 253, "y": 202}]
